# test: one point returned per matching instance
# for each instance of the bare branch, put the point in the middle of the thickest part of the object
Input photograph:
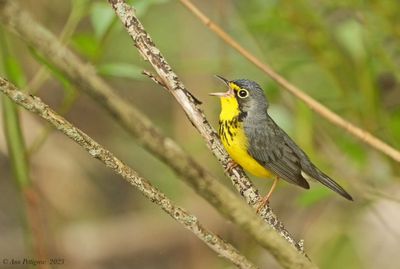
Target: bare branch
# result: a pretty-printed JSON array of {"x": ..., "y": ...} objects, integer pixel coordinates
[
  {"x": 319, "y": 108},
  {"x": 190, "y": 222}
]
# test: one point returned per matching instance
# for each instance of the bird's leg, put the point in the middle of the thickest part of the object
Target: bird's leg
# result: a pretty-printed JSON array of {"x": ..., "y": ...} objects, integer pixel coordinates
[{"x": 265, "y": 199}]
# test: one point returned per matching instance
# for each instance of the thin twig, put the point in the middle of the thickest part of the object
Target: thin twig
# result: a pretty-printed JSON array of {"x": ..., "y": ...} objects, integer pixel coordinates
[
  {"x": 322, "y": 110},
  {"x": 137, "y": 124},
  {"x": 154, "y": 78},
  {"x": 150, "y": 52},
  {"x": 190, "y": 222}
]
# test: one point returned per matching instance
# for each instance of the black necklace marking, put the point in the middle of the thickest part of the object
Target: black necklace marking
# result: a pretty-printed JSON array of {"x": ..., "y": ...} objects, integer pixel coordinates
[{"x": 227, "y": 128}]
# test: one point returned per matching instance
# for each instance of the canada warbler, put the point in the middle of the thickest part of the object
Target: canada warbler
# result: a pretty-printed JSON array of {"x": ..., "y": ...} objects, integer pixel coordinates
[{"x": 258, "y": 144}]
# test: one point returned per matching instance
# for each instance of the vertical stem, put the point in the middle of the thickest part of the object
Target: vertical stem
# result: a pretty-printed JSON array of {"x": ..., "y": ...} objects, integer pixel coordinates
[
  {"x": 15, "y": 143},
  {"x": 18, "y": 157}
]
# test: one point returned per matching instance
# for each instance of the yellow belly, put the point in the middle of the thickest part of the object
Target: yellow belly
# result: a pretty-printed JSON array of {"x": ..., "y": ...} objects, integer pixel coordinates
[{"x": 236, "y": 145}]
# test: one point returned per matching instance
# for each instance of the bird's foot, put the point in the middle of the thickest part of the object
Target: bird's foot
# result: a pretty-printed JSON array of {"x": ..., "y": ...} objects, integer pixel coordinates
[{"x": 230, "y": 166}]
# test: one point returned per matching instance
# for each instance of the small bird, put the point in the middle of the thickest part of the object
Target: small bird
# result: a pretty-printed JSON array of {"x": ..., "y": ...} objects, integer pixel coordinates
[{"x": 258, "y": 144}]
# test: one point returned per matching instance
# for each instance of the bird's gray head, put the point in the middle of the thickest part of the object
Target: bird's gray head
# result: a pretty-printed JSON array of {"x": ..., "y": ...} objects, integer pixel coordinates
[
  {"x": 243, "y": 95},
  {"x": 249, "y": 95}
]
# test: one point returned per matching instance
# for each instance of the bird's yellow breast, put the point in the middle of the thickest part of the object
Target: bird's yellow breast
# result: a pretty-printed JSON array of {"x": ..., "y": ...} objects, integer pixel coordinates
[{"x": 234, "y": 139}]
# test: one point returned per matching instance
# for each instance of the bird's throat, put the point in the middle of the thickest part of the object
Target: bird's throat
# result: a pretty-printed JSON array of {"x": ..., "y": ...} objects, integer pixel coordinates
[{"x": 229, "y": 108}]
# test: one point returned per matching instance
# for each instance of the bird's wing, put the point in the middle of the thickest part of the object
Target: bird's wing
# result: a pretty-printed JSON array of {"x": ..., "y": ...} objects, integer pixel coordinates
[{"x": 271, "y": 147}]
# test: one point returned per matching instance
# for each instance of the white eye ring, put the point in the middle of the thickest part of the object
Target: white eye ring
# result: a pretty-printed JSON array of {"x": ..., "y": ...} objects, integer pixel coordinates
[{"x": 242, "y": 93}]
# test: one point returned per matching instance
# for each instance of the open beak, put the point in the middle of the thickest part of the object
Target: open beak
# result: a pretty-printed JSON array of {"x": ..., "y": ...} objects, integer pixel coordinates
[
  {"x": 223, "y": 94},
  {"x": 223, "y": 79}
]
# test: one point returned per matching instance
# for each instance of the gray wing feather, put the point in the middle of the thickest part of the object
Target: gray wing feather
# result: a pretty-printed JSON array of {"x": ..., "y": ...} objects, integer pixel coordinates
[{"x": 273, "y": 149}]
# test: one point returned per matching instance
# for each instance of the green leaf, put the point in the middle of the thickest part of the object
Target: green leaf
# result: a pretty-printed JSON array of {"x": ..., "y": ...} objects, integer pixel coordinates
[
  {"x": 350, "y": 35},
  {"x": 122, "y": 70},
  {"x": 15, "y": 72},
  {"x": 101, "y": 17},
  {"x": 87, "y": 45}
]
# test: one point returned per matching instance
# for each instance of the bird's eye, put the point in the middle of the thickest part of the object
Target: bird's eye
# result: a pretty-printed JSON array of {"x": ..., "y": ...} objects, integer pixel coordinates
[{"x": 243, "y": 93}]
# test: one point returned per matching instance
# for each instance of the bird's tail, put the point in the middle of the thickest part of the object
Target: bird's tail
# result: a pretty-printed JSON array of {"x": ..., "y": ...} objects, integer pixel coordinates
[{"x": 317, "y": 174}]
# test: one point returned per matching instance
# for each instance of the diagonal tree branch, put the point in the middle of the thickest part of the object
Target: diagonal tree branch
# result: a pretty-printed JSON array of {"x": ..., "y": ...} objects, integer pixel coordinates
[
  {"x": 150, "y": 52},
  {"x": 137, "y": 124},
  {"x": 190, "y": 222},
  {"x": 322, "y": 110}
]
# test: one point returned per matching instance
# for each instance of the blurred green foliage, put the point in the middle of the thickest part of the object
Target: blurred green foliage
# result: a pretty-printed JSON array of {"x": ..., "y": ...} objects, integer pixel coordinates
[{"x": 343, "y": 53}]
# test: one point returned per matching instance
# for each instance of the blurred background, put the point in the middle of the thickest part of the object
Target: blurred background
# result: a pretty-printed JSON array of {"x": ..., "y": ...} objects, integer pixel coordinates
[{"x": 345, "y": 54}]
